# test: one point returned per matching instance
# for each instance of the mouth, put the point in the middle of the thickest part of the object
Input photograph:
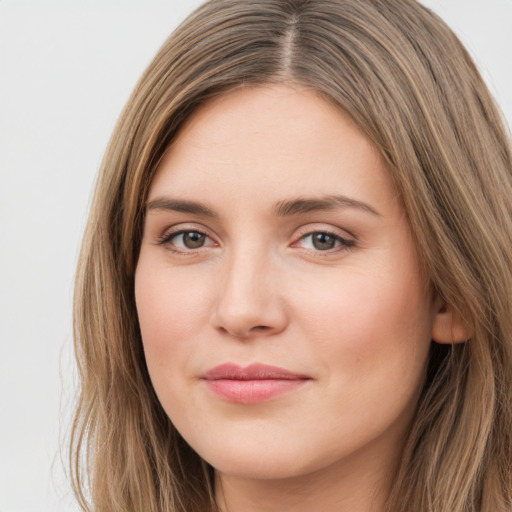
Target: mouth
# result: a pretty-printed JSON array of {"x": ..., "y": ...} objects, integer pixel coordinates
[{"x": 252, "y": 384}]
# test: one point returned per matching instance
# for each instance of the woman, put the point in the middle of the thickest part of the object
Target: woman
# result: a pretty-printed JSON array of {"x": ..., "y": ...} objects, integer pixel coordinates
[{"x": 295, "y": 287}]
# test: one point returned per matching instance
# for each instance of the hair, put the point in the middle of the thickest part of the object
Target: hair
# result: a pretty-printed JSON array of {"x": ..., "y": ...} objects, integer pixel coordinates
[{"x": 405, "y": 79}]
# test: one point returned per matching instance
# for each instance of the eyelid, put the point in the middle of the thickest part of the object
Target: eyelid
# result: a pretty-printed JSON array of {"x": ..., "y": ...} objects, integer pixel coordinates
[
  {"x": 169, "y": 233},
  {"x": 347, "y": 242},
  {"x": 324, "y": 228}
]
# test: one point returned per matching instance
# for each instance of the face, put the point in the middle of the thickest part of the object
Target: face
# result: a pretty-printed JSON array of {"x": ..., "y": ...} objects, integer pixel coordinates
[{"x": 285, "y": 318}]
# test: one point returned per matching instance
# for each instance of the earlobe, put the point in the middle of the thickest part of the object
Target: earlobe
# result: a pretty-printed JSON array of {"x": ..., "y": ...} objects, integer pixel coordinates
[{"x": 449, "y": 327}]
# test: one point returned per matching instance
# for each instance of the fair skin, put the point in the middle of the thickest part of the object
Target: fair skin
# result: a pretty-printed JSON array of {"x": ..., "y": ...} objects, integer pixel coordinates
[{"x": 233, "y": 268}]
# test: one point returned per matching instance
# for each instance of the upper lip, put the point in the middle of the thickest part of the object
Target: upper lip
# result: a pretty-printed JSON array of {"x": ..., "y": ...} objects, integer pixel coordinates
[{"x": 256, "y": 371}]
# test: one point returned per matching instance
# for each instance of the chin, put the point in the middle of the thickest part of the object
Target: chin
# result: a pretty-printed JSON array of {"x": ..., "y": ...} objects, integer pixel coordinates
[
  {"x": 258, "y": 468},
  {"x": 256, "y": 459},
  {"x": 263, "y": 461}
]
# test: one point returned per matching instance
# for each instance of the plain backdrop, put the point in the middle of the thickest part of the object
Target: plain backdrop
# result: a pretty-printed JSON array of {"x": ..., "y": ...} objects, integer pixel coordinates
[{"x": 66, "y": 69}]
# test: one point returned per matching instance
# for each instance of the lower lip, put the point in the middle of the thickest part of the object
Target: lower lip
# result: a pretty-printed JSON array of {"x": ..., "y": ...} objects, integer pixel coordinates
[{"x": 253, "y": 391}]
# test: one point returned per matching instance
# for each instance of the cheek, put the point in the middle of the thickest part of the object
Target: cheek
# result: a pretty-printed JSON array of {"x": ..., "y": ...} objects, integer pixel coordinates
[
  {"x": 374, "y": 325},
  {"x": 172, "y": 309}
]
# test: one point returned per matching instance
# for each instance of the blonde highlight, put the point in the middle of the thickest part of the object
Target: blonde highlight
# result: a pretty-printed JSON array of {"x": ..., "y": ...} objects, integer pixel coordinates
[{"x": 408, "y": 83}]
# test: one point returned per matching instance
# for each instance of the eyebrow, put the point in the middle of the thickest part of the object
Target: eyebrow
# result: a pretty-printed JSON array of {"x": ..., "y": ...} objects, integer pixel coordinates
[
  {"x": 306, "y": 205},
  {"x": 285, "y": 208},
  {"x": 180, "y": 205}
]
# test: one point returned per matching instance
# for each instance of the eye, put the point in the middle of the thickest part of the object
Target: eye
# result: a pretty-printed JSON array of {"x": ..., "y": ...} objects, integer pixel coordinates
[
  {"x": 186, "y": 240},
  {"x": 323, "y": 241}
]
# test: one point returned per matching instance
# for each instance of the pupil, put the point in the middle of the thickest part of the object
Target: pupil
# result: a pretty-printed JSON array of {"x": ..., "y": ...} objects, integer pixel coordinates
[
  {"x": 323, "y": 241},
  {"x": 193, "y": 240}
]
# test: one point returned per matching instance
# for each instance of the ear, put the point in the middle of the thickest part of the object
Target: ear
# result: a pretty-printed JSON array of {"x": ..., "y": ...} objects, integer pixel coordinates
[{"x": 449, "y": 327}]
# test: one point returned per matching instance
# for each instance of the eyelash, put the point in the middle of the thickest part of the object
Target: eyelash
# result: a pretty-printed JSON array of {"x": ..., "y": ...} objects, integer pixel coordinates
[
  {"x": 167, "y": 238},
  {"x": 344, "y": 243}
]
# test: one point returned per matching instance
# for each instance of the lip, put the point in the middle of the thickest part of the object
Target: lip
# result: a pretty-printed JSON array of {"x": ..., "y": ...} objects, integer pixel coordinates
[{"x": 252, "y": 384}]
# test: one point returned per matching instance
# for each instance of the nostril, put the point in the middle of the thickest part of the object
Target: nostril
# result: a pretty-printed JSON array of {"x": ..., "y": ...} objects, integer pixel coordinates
[
  {"x": 260, "y": 327},
  {"x": 246, "y": 333}
]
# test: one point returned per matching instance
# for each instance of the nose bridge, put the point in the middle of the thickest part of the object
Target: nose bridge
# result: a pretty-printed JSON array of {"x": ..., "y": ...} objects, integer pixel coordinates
[{"x": 249, "y": 299}]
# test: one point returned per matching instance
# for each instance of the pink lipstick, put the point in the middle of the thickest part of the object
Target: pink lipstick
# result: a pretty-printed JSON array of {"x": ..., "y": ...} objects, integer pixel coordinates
[{"x": 251, "y": 384}]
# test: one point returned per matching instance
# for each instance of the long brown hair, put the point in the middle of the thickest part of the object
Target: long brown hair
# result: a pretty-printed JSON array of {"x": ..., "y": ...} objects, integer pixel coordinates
[{"x": 399, "y": 72}]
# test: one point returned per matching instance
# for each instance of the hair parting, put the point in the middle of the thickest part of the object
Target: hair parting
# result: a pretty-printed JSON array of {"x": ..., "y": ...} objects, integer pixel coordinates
[{"x": 404, "y": 78}]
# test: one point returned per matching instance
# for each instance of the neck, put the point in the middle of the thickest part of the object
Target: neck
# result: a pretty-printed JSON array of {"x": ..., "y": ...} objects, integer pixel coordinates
[{"x": 344, "y": 487}]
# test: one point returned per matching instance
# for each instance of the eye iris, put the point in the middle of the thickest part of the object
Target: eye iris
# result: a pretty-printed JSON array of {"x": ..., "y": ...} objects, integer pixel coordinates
[
  {"x": 323, "y": 241},
  {"x": 193, "y": 239}
]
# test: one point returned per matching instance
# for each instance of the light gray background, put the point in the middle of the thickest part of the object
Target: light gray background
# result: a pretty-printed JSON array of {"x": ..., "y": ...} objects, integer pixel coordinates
[{"x": 66, "y": 69}]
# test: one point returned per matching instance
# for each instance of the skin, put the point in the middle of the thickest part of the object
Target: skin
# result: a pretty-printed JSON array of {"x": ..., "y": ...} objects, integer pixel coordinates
[{"x": 356, "y": 318}]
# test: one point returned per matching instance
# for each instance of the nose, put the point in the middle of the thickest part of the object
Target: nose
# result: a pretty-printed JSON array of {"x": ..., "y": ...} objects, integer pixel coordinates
[{"x": 250, "y": 301}]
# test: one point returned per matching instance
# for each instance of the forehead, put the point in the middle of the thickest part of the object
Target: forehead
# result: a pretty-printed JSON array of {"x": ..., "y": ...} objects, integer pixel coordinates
[{"x": 268, "y": 142}]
